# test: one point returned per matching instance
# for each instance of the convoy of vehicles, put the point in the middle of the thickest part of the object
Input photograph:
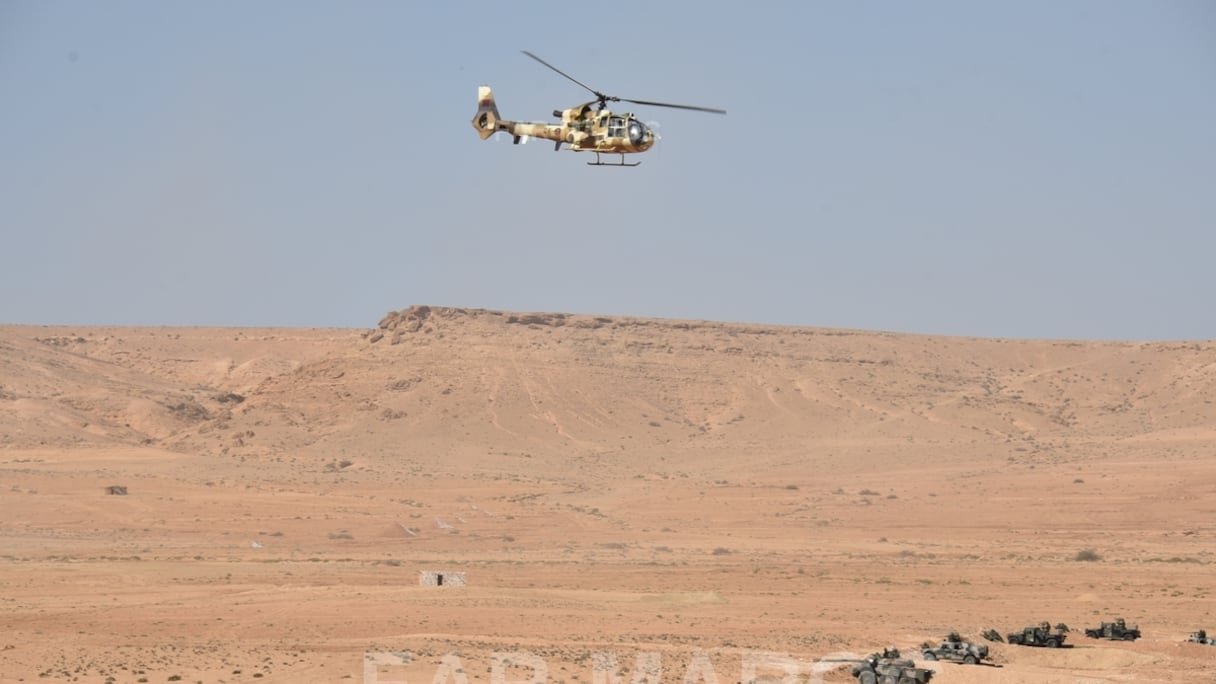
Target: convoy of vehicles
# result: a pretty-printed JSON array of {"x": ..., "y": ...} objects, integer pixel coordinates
[{"x": 890, "y": 667}]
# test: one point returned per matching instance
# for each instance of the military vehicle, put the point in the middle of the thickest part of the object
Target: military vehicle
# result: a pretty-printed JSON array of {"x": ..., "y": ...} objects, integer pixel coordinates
[
  {"x": 889, "y": 668},
  {"x": 955, "y": 650},
  {"x": 1201, "y": 637},
  {"x": 1117, "y": 630},
  {"x": 1042, "y": 635}
]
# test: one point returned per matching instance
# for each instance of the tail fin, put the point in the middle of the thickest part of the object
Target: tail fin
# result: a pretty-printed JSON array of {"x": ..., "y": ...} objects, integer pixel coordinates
[{"x": 486, "y": 119}]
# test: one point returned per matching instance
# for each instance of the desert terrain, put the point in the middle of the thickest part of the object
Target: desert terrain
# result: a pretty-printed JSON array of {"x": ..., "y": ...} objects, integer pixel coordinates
[{"x": 686, "y": 494}]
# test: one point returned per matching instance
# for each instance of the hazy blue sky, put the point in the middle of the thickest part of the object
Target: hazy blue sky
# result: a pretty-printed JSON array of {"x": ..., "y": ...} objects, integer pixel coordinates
[{"x": 1023, "y": 169}]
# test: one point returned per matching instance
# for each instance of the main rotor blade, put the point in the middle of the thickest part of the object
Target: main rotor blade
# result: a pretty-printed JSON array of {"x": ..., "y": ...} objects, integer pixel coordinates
[
  {"x": 675, "y": 106},
  {"x": 593, "y": 90},
  {"x": 603, "y": 98}
]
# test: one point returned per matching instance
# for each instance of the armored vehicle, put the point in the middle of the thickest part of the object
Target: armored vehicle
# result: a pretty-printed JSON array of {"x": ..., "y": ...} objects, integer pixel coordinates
[
  {"x": 1117, "y": 630},
  {"x": 1201, "y": 637},
  {"x": 1042, "y": 635},
  {"x": 955, "y": 650},
  {"x": 889, "y": 668}
]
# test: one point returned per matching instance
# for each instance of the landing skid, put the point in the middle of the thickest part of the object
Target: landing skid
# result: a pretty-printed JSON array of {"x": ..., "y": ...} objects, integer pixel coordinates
[{"x": 597, "y": 162}]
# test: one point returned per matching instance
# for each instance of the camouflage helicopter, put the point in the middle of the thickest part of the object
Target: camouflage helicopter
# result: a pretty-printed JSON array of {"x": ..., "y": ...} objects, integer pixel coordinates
[{"x": 588, "y": 127}]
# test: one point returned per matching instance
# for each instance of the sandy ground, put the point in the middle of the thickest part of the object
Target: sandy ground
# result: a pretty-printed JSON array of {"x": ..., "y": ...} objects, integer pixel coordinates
[{"x": 686, "y": 496}]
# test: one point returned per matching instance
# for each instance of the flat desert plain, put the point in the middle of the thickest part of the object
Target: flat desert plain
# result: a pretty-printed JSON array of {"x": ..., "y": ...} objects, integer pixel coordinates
[{"x": 682, "y": 496}]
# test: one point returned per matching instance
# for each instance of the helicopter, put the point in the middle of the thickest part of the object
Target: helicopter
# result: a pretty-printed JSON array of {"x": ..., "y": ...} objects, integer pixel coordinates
[{"x": 588, "y": 127}]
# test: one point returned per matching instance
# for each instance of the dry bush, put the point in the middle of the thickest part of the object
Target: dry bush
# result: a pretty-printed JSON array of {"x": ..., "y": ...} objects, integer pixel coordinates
[{"x": 1087, "y": 555}]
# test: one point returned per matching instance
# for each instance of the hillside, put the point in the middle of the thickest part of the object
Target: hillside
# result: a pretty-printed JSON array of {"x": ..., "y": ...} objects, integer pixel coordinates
[{"x": 581, "y": 386}]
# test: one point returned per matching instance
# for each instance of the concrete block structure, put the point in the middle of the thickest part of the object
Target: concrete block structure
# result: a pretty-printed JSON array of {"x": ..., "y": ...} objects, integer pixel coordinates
[{"x": 440, "y": 578}]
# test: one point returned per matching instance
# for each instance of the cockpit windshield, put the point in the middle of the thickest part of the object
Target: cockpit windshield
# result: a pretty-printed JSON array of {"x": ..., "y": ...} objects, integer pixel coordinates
[{"x": 616, "y": 127}]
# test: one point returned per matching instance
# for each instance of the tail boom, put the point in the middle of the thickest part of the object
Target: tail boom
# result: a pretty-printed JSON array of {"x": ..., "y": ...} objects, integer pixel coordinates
[{"x": 488, "y": 122}]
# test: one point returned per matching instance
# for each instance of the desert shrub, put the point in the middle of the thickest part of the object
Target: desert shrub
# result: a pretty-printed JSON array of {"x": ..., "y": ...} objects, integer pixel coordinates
[{"x": 1087, "y": 555}]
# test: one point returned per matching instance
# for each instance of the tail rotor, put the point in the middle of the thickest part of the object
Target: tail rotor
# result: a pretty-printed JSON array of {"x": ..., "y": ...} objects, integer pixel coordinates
[{"x": 486, "y": 119}]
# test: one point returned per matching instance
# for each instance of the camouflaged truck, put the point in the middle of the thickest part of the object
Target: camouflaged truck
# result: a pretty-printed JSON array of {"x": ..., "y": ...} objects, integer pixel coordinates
[
  {"x": 955, "y": 650},
  {"x": 1117, "y": 630},
  {"x": 1201, "y": 637},
  {"x": 889, "y": 668},
  {"x": 1042, "y": 635}
]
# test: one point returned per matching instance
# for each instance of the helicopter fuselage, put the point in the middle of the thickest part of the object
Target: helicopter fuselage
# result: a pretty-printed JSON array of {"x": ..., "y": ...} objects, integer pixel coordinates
[{"x": 584, "y": 128}]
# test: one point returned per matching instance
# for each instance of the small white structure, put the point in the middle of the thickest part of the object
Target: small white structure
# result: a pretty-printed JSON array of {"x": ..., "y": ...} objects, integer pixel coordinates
[{"x": 439, "y": 578}]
